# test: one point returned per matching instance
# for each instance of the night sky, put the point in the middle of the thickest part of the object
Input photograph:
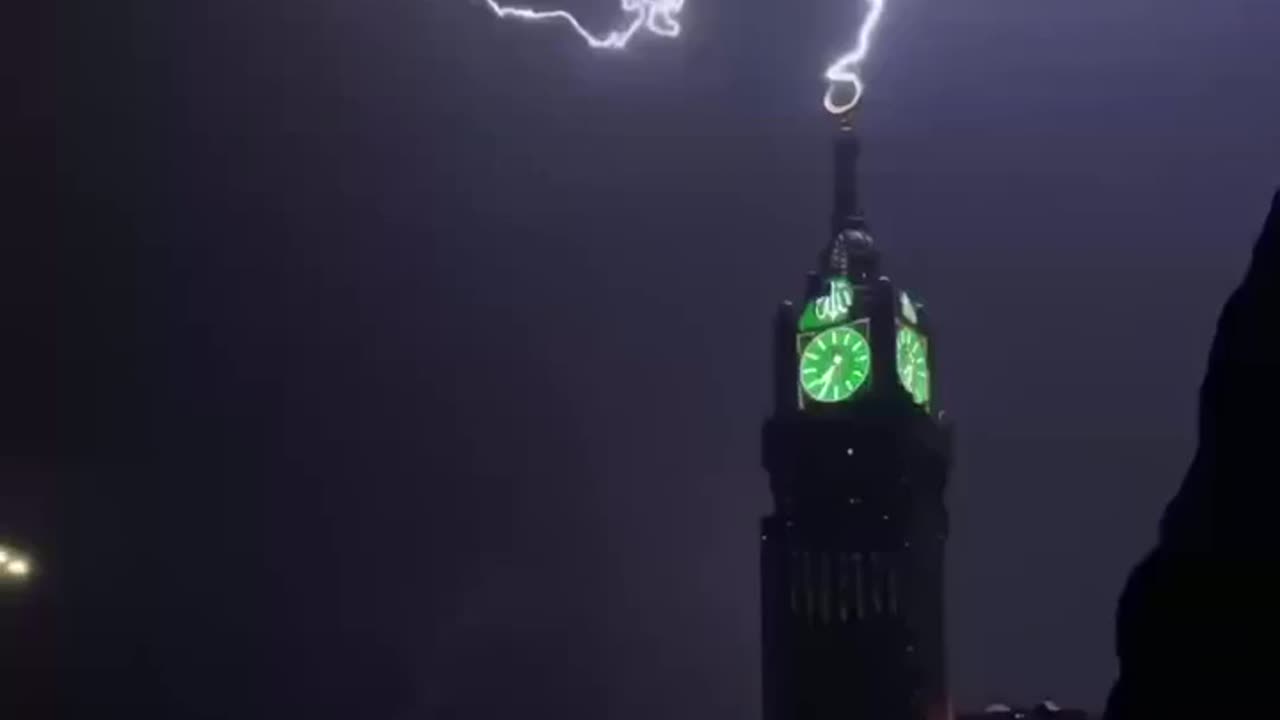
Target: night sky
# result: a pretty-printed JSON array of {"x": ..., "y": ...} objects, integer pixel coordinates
[{"x": 413, "y": 361}]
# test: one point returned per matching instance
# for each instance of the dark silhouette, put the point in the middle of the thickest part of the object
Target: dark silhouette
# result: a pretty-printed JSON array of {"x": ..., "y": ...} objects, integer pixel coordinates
[
  {"x": 1178, "y": 640},
  {"x": 1046, "y": 710},
  {"x": 852, "y": 555}
]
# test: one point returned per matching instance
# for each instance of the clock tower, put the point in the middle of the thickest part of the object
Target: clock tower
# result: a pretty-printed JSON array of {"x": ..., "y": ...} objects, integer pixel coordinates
[{"x": 857, "y": 455}]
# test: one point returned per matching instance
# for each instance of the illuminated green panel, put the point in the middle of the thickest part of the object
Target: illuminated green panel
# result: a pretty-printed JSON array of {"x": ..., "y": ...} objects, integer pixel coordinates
[
  {"x": 908, "y": 310},
  {"x": 831, "y": 308},
  {"x": 834, "y": 364},
  {"x": 913, "y": 364}
]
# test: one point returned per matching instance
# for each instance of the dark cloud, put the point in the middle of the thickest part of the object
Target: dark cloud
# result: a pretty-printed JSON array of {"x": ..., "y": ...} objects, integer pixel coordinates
[{"x": 411, "y": 355}]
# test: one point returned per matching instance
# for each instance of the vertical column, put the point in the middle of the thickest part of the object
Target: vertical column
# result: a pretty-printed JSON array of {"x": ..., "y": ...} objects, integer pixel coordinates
[{"x": 847, "y": 207}]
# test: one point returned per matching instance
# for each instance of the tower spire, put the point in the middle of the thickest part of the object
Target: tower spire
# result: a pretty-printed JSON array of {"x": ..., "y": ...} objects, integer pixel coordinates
[
  {"x": 846, "y": 211},
  {"x": 851, "y": 251}
]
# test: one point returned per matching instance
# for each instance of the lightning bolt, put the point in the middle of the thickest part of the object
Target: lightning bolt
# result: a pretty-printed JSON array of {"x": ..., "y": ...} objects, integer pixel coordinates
[
  {"x": 843, "y": 73},
  {"x": 656, "y": 16}
]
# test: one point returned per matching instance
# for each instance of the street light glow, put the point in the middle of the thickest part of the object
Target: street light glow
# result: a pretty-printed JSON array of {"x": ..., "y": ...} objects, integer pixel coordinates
[{"x": 14, "y": 566}]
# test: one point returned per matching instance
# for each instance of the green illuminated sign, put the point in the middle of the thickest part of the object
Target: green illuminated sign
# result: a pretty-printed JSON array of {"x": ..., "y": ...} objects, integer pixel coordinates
[
  {"x": 834, "y": 364},
  {"x": 831, "y": 308},
  {"x": 913, "y": 364}
]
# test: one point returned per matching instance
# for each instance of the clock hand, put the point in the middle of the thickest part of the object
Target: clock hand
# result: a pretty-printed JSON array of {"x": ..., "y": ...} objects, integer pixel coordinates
[{"x": 826, "y": 378}]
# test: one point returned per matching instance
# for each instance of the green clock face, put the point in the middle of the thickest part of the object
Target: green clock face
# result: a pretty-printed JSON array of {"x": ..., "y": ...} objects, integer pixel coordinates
[
  {"x": 834, "y": 364},
  {"x": 913, "y": 364}
]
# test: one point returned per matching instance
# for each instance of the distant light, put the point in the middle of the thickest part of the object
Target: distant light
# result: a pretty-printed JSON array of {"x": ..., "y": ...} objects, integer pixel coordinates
[
  {"x": 13, "y": 564},
  {"x": 848, "y": 451}
]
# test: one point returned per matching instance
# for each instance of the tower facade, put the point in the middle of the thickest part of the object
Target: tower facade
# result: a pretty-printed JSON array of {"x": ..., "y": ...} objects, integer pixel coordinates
[{"x": 857, "y": 455}]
